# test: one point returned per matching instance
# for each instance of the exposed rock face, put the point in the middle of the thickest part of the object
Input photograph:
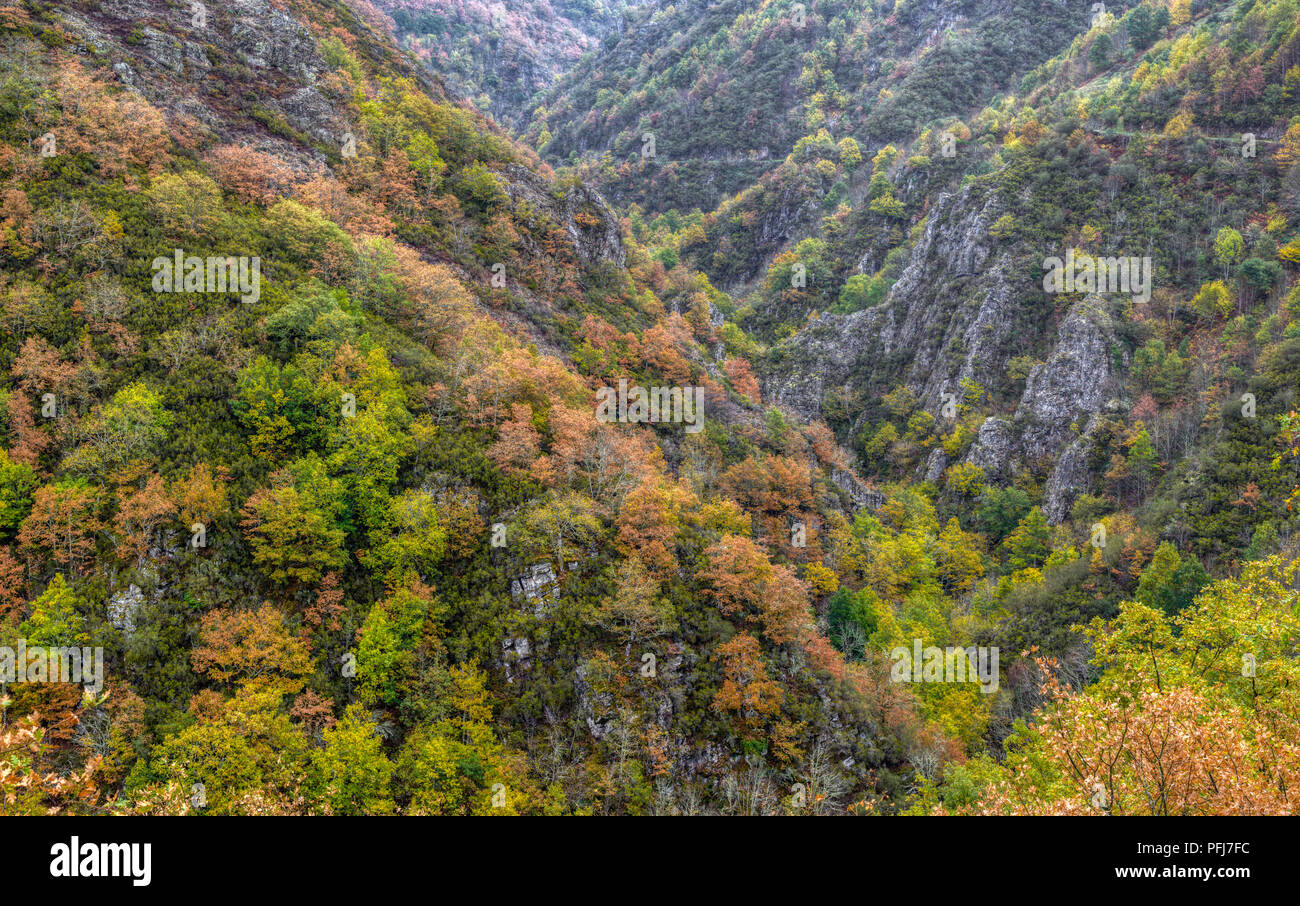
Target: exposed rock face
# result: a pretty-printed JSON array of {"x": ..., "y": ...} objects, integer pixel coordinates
[
  {"x": 1070, "y": 477},
  {"x": 935, "y": 464},
  {"x": 268, "y": 38},
  {"x": 595, "y": 709},
  {"x": 589, "y": 221},
  {"x": 957, "y": 312},
  {"x": 1053, "y": 425},
  {"x": 535, "y": 585},
  {"x": 1071, "y": 384},
  {"x": 859, "y": 494},
  {"x": 992, "y": 450},
  {"x": 261, "y": 51},
  {"x": 163, "y": 50},
  {"x": 308, "y": 111},
  {"x": 598, "y": 239},
  {"x": 516, "y": 654},
  {"x": 923, "y": 333},
  {"x": 123, "y": 607}
]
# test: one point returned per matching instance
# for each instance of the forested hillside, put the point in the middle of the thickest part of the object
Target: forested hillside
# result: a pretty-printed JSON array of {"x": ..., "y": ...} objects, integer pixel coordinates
[
  {"x": 368, "y": 526},
  {"x": 500, "y": 55},
  {"x": 1108, "y": 454},
  {"x": 354, "y": 541},
  {"x": 728, "y": 89}
]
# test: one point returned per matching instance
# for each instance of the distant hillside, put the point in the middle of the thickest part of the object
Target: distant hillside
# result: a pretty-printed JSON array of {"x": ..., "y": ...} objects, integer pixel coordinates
[
  {"x": 727, "y": 88},
  {"x": 500, "y": 55}
]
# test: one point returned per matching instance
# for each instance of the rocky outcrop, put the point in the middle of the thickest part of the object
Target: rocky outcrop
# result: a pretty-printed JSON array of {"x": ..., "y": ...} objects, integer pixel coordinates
[
  {"x": 1070, "y": 477},
  {"x": 992, "y": 449},
  {"x": 1051, "y": 430},
  {"x": 1071, "y": 385},
  {"x": 123, "y": 608},
  {"x": 587, "y": 218},
  {"x": 595, "y": 709},
  {"x": 946, "y": 318},
  {"x": 860, "y": 495},
  {"x": 516, "y": 656},
  {"x": 308, "y": 111},
  {"x": 934, "y": 465},
  {"x": 258, "y": 51},
  {"x": 536, "y": 585},
  {"x": 961, "y": 309},
  {"x": 265, "y": 37}
]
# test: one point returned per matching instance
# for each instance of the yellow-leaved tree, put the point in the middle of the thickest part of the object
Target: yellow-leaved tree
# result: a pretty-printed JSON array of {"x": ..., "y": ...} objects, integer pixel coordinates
[{"x": 1195, "y": 714}]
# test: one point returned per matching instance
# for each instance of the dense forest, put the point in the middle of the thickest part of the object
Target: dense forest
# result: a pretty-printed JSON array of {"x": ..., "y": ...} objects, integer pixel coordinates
[{"x": 324, "y": 327}]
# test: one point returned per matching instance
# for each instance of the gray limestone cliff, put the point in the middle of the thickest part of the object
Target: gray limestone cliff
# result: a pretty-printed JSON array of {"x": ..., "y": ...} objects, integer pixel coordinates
[{"x": 962, "y": 308}]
